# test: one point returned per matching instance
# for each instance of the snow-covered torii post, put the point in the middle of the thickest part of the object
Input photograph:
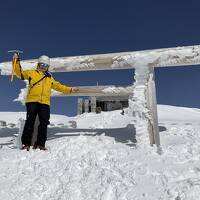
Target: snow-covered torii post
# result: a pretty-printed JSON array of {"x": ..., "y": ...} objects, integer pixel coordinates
[
  {"x": 144, "y": 63},
  {"x": 143, "y": 104}
]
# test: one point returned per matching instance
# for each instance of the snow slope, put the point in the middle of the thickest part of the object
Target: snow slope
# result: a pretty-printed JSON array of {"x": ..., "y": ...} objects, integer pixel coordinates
[{"x": 98, "y": 161}]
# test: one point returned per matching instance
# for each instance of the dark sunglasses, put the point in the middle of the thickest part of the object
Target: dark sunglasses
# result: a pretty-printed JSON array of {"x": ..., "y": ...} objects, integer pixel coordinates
[{"x": 43, "y": 65}]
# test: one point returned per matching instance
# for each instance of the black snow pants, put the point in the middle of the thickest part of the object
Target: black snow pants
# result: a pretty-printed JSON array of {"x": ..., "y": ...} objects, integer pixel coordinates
[{"x": 43, "y": 112}]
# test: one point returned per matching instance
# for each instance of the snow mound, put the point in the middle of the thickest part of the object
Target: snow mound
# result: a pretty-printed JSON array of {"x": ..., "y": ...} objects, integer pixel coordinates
[
  {"x": 81, "y": 166},
  {"x": 111, "y": 119},
  {"x": 178, "y": 114},
  {"x": 73, "y": 168}
]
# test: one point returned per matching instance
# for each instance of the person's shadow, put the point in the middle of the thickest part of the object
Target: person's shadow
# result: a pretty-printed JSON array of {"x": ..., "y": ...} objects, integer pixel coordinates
[
  {"x": 11, "y": 133},
  {"x": 123, "y": 135}
]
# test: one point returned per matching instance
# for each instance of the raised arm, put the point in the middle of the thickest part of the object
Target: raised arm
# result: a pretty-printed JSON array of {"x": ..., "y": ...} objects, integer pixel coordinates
[{"x": 20, "y": 73}]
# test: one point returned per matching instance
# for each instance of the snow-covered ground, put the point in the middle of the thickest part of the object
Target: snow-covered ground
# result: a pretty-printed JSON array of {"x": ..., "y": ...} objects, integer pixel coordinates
[{"x": 98, "y": 160}]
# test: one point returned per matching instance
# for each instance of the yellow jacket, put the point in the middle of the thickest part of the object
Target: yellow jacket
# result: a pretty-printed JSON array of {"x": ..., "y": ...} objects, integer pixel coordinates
[{"x": 41, "y": 91}]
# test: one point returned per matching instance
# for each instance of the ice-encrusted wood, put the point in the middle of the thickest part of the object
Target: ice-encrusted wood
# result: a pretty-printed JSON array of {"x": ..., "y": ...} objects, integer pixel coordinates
[
  {"x": 137, "y": 102},
  {"x": 111, "y": 91},
  {"x": 178, "y": 56}
]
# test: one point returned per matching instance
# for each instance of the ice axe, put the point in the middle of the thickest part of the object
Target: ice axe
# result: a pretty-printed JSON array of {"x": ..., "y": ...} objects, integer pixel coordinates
[{"x": 14, "y": 62}]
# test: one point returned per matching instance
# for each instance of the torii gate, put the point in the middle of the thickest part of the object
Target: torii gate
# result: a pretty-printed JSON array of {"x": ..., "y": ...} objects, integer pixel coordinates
[{"x": 143, "y": 62}]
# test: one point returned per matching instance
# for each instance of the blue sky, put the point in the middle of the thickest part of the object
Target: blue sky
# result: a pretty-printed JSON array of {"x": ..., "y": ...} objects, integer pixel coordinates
[{"x": 69, "y": 28}]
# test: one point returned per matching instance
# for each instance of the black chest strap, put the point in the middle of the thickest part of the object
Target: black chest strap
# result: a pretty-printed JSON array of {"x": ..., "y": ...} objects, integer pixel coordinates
[
  {"x": 46, "y": 74},
  {"x": 37, "y": 81}
]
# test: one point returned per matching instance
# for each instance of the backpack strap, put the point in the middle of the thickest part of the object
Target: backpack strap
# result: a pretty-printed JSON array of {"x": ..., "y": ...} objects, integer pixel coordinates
[{"x": 37, "y": 81}]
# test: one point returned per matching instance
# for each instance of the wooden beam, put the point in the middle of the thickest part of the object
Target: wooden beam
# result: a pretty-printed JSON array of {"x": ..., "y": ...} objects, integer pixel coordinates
[
  {"x": 93, "y": 104},
  {"x": 80, "y": 106},
  {"x": 178, "y": 56},
  {"x": 86, "y": 105},
  {"x": 98, "y": 91},
  {"x": 150, "y": 122},
  {"x": 152, "y": 105}
]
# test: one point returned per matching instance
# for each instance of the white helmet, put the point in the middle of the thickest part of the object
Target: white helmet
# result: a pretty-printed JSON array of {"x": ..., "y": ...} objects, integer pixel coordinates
[{"x": 44, "y": 59}]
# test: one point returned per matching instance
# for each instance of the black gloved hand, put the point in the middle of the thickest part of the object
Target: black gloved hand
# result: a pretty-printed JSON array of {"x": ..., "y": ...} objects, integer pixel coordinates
[{"x": 16, "y": 56}]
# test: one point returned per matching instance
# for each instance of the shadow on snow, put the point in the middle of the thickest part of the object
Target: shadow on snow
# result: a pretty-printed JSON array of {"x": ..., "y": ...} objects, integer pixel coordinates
[{"x": 125, "y": 135}]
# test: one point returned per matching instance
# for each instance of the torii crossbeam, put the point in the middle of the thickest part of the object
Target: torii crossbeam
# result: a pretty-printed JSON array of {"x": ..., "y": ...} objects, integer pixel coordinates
[{"x": 179, "y": 56}]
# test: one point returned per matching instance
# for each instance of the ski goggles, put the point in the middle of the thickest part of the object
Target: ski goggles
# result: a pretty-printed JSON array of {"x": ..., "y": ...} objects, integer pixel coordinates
[{"x": 43, "y": 65}]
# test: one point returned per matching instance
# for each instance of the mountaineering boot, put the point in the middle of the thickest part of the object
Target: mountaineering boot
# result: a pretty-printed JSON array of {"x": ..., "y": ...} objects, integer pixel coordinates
[
  {"x": 35, "y": 146},
  {"x": 42, "y": 148},
  {"x": 25, "y": 147}
]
